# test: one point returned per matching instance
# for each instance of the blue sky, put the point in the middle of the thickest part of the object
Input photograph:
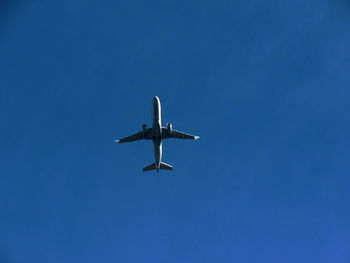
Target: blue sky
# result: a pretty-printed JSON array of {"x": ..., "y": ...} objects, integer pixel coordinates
[{"x": 264, "y": 83}]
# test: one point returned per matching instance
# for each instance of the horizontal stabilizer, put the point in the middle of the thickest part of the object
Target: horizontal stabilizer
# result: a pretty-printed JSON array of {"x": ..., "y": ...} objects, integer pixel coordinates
[
  {"x": 149, "y": 167},
  {"x": 162, "y": 166},
  {"x": 165, "y": 166}
]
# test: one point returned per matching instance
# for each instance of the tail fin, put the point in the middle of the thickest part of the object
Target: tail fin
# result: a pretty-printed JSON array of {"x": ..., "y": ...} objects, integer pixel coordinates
[
  {"x": 162, "y": 166},
  {"x": 165, "y": 166},
  {"x": 149, "y": 167}
]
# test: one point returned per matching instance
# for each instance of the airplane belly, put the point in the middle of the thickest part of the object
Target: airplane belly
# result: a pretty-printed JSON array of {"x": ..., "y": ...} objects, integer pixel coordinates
[
  {"x": 157, "y": 144},
  {"x": 156, "y": 110}
]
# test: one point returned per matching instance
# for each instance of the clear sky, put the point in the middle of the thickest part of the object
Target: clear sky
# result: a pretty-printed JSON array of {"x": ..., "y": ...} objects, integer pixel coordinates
[{"x": 266, "y": 86}]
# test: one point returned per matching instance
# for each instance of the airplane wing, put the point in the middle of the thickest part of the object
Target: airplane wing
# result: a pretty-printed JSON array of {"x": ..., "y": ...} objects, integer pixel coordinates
[
  {"x": 177, "y": 134},
  {"x": 135, "y": 137}
]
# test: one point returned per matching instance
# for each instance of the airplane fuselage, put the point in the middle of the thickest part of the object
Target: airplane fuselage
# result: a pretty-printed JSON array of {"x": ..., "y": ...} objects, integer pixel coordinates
[{"x": 157, "y": 132}]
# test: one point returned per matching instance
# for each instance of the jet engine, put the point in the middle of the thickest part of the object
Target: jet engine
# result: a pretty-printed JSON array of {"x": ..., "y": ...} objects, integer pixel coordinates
[{"x": 169, "y": 127}]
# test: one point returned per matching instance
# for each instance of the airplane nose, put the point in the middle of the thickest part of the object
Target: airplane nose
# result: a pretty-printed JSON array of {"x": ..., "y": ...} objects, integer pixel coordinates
[{"x": 156, "y": 98}]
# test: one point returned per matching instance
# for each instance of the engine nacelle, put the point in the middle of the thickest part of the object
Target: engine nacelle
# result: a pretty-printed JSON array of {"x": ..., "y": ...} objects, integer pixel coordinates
[
  {"x": 144, "y": 128},
  {"x": 169, "y": 127}
]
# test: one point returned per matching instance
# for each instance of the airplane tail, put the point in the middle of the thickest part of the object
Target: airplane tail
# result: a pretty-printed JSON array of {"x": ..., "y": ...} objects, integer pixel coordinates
[
  {"x": 149, "y": 167},
  {"x": 165, "y": 166},
  {"x": 162, "y": 166}
]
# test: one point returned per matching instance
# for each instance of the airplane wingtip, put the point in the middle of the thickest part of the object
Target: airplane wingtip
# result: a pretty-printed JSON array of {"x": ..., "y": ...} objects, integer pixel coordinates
[
  {"x": 116, "y": 141},
  {"x": 196, "y": 137}
]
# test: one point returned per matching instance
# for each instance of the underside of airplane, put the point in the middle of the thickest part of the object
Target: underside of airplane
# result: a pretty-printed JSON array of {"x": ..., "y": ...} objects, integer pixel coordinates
[{"x": 157, "y": 133}]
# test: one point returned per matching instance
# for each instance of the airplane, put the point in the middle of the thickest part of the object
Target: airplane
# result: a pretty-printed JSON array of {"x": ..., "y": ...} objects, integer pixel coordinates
[{"x": 157, "y": 133}]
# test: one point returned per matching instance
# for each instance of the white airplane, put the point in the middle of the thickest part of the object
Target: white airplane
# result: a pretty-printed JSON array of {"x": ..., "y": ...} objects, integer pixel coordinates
[{"x": 157, "y": 133}]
